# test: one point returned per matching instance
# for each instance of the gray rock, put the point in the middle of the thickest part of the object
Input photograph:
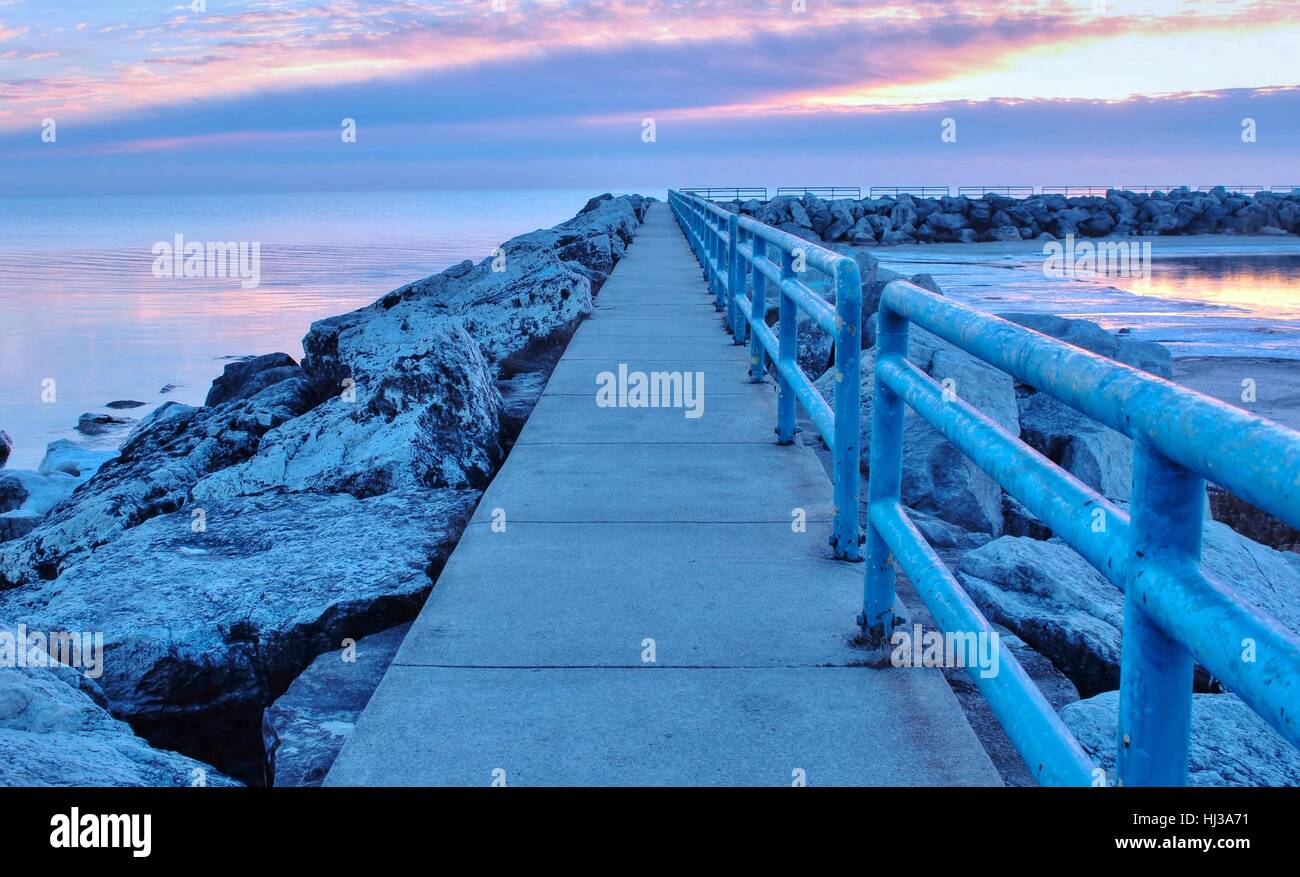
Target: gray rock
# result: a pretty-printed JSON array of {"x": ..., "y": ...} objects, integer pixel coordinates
[
  {"x": 422, "y": 412},
  {"x": 1146, "y": 355},
  {"x": 17, "y": 524},
  {"x": 1097, "y": 455},
  {"x": 55, "y": 731},
  {"x": 1054, "y": 600},
  {"x": 313, "y": 719},
  {"x": 92, "y": 424},
  {"x": 120, "y": 404},
  {"x": 152, "y": 474},
  {"x": 204, "y": 630},
  {"x": 6, "y": 447},
  {"x": 13, "y": 493},
  {"x": 1230, "y": 744},
  {"x": 937, "y": 477},
  {"x": 248, "y": 377}
]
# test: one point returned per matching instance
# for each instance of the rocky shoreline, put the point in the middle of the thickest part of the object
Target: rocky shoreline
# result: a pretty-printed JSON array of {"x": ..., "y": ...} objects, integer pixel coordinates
[
  {"x": 250, "y": 562},
  {"x": 907, "y": 219},
  {"x": 226, "y": 546}
]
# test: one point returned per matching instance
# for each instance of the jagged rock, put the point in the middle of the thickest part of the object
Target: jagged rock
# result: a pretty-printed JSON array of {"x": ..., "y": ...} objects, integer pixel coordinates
[
  {"x": 6, "y": 447},
  {"x": 1250, "y": 521},
  {"x": 1097, "y": 455},
  {"x": 248, "y": 377},
  {"x": 55, "y": 731},
  {"x": 1230, "y": 744},
  {"x": 422, "y": 412},
  {"x": 203, "y": 630},
  {"x": 1146, "y": 355},
  {"x": 151, "y": 474},
  {"x": 313, "y": 719},
  {"x": 1054, "y": 600}
]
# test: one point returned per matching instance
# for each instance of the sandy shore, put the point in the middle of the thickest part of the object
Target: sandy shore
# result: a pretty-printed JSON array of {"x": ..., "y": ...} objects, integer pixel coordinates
[{"x": 1277, "y": 383}]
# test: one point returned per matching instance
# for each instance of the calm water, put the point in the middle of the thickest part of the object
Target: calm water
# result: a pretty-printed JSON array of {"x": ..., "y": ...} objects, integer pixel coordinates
[{"x": 79, "y": 302}]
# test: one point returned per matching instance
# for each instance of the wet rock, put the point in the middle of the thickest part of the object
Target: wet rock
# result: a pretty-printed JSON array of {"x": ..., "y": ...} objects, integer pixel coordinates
[
  {"x": 248, "y": 377},
  {"x": 203, "y": 630},
  {"x": 13, "y": 493},
  {"x": 313, "y": 719},
  {"x": 121, "y": 404},
  {"x": 6, "y": 447},
  {"x": 1230, "y": 744},
  {"x": 92, "y": 424}
]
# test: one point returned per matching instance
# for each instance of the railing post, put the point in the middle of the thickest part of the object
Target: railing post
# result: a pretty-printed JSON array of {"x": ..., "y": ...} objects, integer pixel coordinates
[
  {"x": 1155, "y": 683},
  {"x": 735, "y": 285},
  {"x": 845, "y": 539},
  {"x": 715, "y": 262},
  {"x": 787, "y": 353},
  {"x": 885, "y": 480},
  {"x": 758, "y": 311}
]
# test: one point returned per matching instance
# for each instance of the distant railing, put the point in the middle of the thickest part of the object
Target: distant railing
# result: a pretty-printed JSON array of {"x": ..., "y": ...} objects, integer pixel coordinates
[
  {"x": 733, "y": 249},
  {"x": 1076, "y": 191},
  {"x": 919, "y": 191},
  {"x": 1174, "y": 614},
  {"x": 1241, "y": 190},
  {"x": 742, "y": 193},
  {"x": 823, "y": 191},
  {"x": 1009, "y": 191}
]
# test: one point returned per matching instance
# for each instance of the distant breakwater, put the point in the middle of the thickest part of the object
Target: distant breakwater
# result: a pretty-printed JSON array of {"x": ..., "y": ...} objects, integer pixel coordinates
[{"x": 907, "y": 219}]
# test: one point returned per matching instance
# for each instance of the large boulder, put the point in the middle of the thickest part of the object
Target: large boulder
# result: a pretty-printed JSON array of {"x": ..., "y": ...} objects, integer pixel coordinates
[
  {"x": 937, "y": 477},
  {"x": 315, "y": 717},
  {"x": 1054, "y": 600},
  {"x": 421, "y": 410},
  {"x": 1145, "y": 355},
  {"x": 246, "y": 378},
  {"x": 56, "y": 731},
  {"x": 1098, "y": 456},
  {"x": 208, "y": 618},
  {"x": 1230, "y": 744}
]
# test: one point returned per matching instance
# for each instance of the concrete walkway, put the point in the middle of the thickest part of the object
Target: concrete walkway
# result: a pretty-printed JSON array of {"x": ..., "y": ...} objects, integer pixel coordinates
[{"x": 633, "y": 533}]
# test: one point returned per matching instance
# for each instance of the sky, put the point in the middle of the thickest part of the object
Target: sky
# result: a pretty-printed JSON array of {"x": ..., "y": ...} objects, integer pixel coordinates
[{"x": 124, "y": 96}]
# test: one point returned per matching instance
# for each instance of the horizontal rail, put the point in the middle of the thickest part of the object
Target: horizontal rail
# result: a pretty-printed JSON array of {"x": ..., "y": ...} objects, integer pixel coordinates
[
  {"x": 921, "y": 191},
  {"x": 738, "y": 253},
  {"x": 1009, "y": 191},
  {"x": 734, "y": 193},
  {"x": 1175, "y": 614},
  {"x": 823, "y": 191}
]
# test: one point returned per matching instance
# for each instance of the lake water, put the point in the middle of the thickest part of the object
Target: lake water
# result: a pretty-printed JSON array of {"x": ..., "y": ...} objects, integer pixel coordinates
[{"x": 79, "y": 303}]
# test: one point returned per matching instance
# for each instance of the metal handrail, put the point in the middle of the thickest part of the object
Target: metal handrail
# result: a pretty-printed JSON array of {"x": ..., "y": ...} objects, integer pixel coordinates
[
  {"x": 734, "y": 249},
  {"x": 919, "y": 191},
  {"x": 1077, "y": 191},
  {"x": 741, "y": 193},
  {"x": 854, "y": 192},
  {"x": 1009, "y": 191},
  {"x": 1175, "y": 614}
]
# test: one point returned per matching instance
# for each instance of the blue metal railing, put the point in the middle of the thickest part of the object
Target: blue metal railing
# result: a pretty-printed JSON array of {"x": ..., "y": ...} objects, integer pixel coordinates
[
  {"x": 733, "y": 193},
  {"x": 1175, "y": 614},
  {"x": 733, "y": 250},
  {"x": 854, "y": 192}
]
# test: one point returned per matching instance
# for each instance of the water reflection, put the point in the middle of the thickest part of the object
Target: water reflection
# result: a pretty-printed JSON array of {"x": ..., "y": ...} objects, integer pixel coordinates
[{"x": 1265, "y": 285}]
